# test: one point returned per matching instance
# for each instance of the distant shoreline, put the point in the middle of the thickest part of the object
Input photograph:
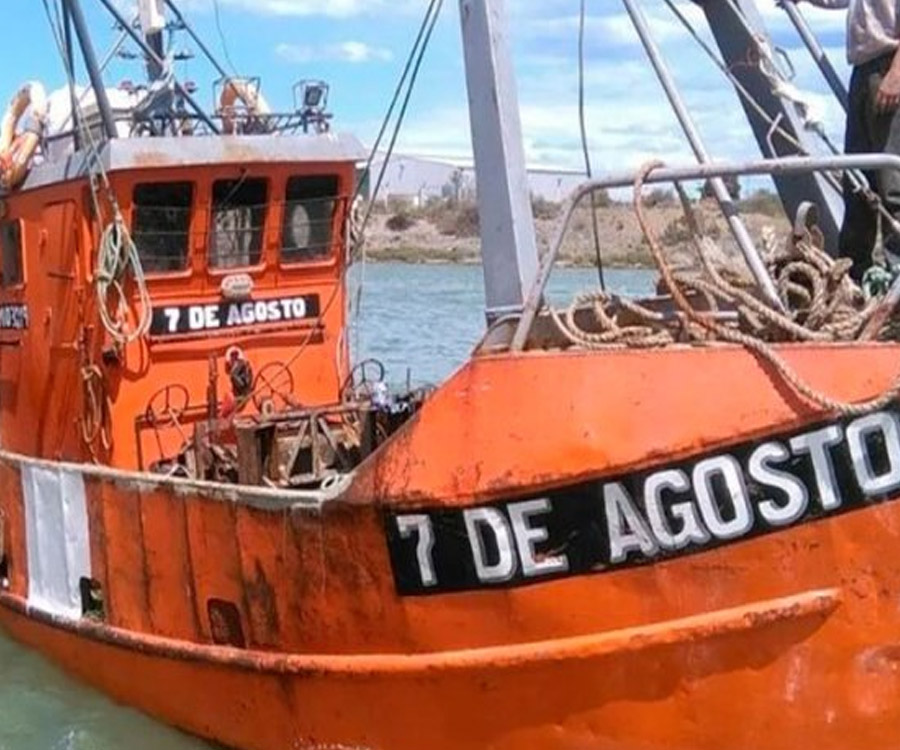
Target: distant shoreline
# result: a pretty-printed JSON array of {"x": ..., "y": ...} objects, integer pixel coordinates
[
  {"x": 426, "y": 257},
  {"x": 448, "y": 233}
]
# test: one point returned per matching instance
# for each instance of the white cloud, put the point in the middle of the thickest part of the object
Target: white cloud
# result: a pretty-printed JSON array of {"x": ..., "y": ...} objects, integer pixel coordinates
[
  {"x": 330, "y": 8},
  {"x": 628, "y": 117},
  {"x": 349, "y": 52}
]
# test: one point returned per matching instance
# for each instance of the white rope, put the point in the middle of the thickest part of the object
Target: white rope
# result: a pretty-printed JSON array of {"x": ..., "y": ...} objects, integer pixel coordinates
[
  {"x": 810, "y": 111},
  {"x": 117, "y": 253}
]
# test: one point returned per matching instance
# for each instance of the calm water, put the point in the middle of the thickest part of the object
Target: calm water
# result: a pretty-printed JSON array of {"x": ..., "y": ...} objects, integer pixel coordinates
[{"x": 426, "y": 318}]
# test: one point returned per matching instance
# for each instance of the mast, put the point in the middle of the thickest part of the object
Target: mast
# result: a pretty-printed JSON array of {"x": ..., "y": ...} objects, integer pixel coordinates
[
  {"x": 73, "y": 8},
  {"x": 508, "y": 244},
  {"x": 729, "y": 210},
  {"x": 153, "y": 23},
  {"x": 70, "y": 75},
  {"x": 738, "y": 29}
]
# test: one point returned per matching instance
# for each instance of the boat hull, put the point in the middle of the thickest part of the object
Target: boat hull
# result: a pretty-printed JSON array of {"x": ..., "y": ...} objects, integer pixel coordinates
[
  {"x": 264, "y": 620},
  {"x": 697, "y": 683}
]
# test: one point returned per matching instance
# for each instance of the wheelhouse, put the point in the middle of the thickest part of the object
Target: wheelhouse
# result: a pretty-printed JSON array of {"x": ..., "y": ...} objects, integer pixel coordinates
[{"x": 243, "y": 245}]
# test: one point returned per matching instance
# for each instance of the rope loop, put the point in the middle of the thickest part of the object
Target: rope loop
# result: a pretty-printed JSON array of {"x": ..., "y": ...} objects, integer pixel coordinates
[
  {"x": 823, "y": 304},
  {"x": 117, "y": 259}
]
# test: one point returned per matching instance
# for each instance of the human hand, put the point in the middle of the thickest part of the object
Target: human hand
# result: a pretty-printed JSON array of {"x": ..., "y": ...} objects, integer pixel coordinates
[{"x": 888, "y": 97}]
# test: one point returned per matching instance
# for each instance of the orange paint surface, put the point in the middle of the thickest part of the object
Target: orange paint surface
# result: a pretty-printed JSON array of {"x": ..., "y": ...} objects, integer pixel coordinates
[{"x": 787, "y": 639}]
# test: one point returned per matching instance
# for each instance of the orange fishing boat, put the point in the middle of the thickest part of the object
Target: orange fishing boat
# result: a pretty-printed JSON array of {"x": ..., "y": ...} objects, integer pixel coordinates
[{"x": 667, "y": 524}]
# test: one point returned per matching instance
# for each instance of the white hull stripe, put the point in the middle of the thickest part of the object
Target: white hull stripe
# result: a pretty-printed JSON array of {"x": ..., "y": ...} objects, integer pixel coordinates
[{"x": 57, "y": 537}]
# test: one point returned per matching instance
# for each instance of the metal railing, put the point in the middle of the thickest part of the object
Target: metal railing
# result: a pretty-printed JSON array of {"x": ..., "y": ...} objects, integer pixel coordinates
[{"x": 771, "y": 167}]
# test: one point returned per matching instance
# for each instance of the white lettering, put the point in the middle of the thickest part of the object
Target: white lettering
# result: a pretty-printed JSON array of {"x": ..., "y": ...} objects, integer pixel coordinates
[
  {"x": 211, "y": 316},
  {"x": 761, "y": 471},
  {"x": 234, "y": 315},
  {"x": 14, "y": 317},
  {"x": 247, "y": 313},
  {"x": 490, "y": 519},
  {"x": 261, "y": 312},
  {"x": 421, "y": 527},
  {"x": 195, "y": 318},
  {"x": 816, "y": 445},
  {"x": 274, "y": 314},
  {"x": 527, "y": 536},
  {"x": 173, "y": 315},
  {"x": 729, "y": 470},
  {"x": 298, "y": 308},
  {"x": 627, "y": 530},
  {"x": 691, "y": 530},
  {"x": 858, "y": 432}
]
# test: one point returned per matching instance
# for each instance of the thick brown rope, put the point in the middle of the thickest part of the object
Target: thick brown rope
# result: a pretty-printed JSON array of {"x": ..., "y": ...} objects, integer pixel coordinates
[{"x": 824, "y": 305}]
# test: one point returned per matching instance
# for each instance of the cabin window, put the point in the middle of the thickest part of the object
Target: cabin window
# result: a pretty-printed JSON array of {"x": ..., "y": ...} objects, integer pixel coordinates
[
  {"x": 11, "y": 242},
  {"x": 238, "y": 218},
  {"x": 308, "y": 218},
  {"x": 161, "y": 225}
]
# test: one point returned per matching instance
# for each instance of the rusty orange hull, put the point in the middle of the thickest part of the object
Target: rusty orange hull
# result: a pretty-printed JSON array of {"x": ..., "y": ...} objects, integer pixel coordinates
[
  {"x": 573, "y": 616},
  {"x": 639, "y": 688},
  {"x": 702, "y": 682}
]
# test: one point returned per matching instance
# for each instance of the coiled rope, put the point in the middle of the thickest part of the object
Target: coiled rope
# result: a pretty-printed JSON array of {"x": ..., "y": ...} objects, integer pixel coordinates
[
  {"x": 117, "y": 253},
  {"x": 116, "y": 256},
  {"x": 823, "y": 305}
]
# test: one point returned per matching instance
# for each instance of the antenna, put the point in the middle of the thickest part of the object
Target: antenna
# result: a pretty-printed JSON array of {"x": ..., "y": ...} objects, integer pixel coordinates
[{"x": 153, "y": 24}]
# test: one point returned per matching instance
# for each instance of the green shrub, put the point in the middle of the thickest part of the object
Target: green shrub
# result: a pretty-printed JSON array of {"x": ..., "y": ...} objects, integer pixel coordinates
[
  {"x": 400, "y": 222},
  {"x": 762, "y": 202},
  {"x": 659, "y": 197},
  {"x": 541, "y": 208}
]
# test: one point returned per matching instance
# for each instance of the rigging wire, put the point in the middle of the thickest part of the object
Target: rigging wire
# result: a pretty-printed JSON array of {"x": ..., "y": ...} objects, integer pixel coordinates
[
  {"x": 410, "y": 72},
  {"x": 413, "y": 65},
  {"x": 408, "y": 79},
  {"x": 222, "y": 41},
  {"x": 584, "y": 143},
  {"x": 117, "y": 250},
  {"x": 396, "y": 97},
  {"x": 856, "y": 180}
]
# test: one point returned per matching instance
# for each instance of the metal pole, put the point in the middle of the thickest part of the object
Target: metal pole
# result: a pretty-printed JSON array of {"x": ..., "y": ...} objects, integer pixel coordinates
[
  {"x": 90, "y": 62},
  {"x": 817, "y": 52},
  {"x": 508, "y": 244},
  {"x": 735, "y": 223},
  {"x": 738, "y": 28},
  {"x": 782, "y": 167},
  {"x": 197, "y": 40},
  {"x": 154, "y": 68},
  {"x": 139, "y": 41},
  {"x": 70, "y": 63},
  {"x": 103, "y": 65}
]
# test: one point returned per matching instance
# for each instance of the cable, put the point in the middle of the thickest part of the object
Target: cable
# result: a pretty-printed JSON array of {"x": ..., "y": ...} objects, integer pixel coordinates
[
  {"x": 222, "y": 41},
  {"x": 410, "y": 72},
  {"x": 584, "y": 143},
  {"x": 857, "y": 181},
  {"x": 413, "y": 66},
  {"x": 396, "y": 97},
  {"x": 117, "y": 250}
]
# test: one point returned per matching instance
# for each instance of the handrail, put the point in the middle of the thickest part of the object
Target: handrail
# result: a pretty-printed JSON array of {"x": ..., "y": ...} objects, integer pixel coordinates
[{"x": 782, "y": 166}]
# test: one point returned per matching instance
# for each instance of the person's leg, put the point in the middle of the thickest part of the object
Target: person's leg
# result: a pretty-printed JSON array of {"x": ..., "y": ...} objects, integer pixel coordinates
[
  {"x": 858, "y": 233},
  {"x": 884, "y": 132}
]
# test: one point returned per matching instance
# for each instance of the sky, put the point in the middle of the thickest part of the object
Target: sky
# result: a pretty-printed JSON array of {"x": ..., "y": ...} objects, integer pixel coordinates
[{"x": 360, "y": 47}]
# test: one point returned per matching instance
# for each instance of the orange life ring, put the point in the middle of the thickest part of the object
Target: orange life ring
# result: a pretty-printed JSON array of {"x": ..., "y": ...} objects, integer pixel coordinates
[
  {"x": 236, "y": 89},
  {"x": 17, "y": 150}
]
